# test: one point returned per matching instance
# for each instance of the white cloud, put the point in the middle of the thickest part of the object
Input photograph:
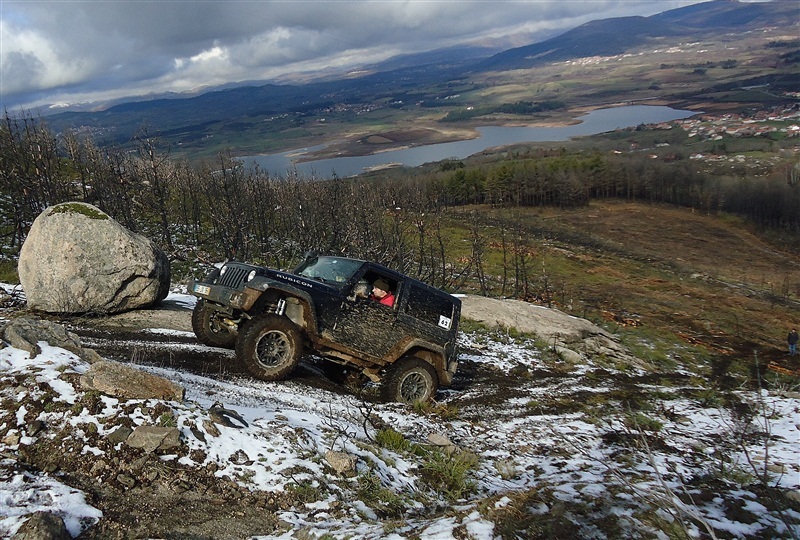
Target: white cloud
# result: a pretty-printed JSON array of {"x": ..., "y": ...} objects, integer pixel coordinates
[
  {"x": 29, "y": 60},
  {"x": 77, "y": 50}
]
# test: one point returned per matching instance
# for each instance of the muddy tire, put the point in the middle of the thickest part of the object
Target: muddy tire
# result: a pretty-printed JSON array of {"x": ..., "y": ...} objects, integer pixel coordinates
[
  {"x": 409, "y": 380},
  {"x": 209, "y": 329},
  {"x": 269, "y": 347}
]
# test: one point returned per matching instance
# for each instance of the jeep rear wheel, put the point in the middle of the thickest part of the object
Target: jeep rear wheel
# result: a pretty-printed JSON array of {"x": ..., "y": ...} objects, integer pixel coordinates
[
  {"x": 410, "y": 379},
  {"x": 209, "y": 328},
  {"x": 269, "y": 347}
]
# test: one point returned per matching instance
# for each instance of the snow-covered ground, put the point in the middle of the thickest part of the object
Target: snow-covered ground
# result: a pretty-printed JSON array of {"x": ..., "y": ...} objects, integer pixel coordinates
[{"x": 645, "y": 467}]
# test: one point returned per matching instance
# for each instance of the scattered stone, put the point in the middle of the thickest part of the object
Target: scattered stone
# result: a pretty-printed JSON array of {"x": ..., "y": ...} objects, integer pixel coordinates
[
  {"x": 43, "y": 526},
  {"x": 119, "y": 435},
  {"x": 222, "y": 416},
  {"x": 152, "y": 438},
  {"x": 210, "y": 428},
  {"x": 35, "y": 427},
  {"x": 25, "y": 334},
  {"x": 126, "y": 480},
  {"x": 442, "y": 442},
  {"x": 77, "y": 259},
  {"x": 125, "y": 382},
  {"x": 341, "y": 462}
]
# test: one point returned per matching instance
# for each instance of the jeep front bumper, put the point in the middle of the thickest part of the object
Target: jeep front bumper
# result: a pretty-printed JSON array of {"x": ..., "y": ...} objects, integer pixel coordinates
[{"x": 226, "y": 296}]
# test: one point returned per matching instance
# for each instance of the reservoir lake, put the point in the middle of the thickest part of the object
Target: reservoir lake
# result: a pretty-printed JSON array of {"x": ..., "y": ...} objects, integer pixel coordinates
[{"x": 598, "y": 121}]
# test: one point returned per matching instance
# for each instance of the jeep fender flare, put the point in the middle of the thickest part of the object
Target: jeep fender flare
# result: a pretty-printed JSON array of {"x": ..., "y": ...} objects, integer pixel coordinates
[
  {"x": 266, "y": 290},
  {"x": 433, "y": 354}
]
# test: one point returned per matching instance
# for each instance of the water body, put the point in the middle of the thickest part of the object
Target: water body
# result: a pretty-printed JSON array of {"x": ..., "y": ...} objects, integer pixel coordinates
[{"x": 599, "y": 121}]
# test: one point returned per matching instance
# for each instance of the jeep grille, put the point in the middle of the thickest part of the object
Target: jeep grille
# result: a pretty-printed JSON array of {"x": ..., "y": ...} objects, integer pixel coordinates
[{"x": 233, "y": 277}]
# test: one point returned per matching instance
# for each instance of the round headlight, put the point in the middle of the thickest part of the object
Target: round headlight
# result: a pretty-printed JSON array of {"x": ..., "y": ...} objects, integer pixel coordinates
[
  {"x": 251, "y": 275},
  {"x": 223, "y": 270}
]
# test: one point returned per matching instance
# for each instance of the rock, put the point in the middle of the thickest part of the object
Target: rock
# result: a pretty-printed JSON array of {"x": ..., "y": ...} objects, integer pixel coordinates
[
  {"x": 152, "y": 438},
  {"x": 571, "y": 337},
  {"x": 119, "y": 435},
  {"x": 225, "y": 417},
  {"x": 126, "y": 480},
  {"x": 12, "y": 438},
  {"x": 77, "y": 259},
  {"x": 25, "y": 334},
  {"x": 34, "y": 428},
  {"x": 344, "y": 464},
  {"x": 442, "y": 442},
  {"x": 125, "y": 382},
  {"x": 210, "y": 428},
  {"x": 43, "y": 526}
]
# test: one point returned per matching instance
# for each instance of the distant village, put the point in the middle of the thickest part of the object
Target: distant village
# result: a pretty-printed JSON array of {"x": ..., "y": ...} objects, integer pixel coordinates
[
  {"x": 784, "y": 120},
  {"x": 714, "y": 128}
]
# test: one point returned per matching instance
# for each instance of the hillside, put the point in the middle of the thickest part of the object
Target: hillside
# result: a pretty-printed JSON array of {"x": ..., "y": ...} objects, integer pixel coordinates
[
  {"x": 684, "y": 442},
  {"x": 678, "y": 286}
]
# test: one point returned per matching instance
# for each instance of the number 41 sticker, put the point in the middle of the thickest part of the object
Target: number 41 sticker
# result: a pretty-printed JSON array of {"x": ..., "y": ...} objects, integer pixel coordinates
[{"x": 445, "y": 322}]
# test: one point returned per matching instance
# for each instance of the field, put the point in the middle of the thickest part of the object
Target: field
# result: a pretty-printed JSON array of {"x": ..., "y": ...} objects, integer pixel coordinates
[{"x": 678, "y": 285}]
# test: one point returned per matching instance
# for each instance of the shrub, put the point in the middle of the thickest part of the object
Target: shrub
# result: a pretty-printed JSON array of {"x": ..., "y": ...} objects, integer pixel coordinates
[
  {"x": 385, "y": 502},
  {"x": 392, "y": 440},
  {"x": 449, "y": 474}
]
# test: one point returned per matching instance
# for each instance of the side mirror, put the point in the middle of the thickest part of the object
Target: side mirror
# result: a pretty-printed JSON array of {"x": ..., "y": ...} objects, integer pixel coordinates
[{"x": 310, "y": 257}]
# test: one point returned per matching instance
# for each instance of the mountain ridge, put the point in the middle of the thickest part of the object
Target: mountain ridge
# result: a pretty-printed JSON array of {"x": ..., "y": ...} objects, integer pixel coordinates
[
  {"x": 608, "y": 37},
  {"x": 430, "y": 79}
]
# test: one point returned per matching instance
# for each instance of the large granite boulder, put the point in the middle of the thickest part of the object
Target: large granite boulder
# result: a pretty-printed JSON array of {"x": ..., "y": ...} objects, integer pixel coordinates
[{"x": 77, "y": 259}]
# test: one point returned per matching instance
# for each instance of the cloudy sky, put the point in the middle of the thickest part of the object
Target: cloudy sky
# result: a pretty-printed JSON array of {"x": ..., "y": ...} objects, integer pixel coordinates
[{"x": 72, "y": 51}]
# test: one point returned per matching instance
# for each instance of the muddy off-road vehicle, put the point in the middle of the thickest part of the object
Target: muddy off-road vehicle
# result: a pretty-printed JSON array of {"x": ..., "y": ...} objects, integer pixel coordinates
[{"x": 325, "y": 307}]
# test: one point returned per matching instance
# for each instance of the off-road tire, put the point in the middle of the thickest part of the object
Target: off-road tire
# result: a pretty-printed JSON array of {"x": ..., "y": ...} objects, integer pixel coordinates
[
  {"x": 408, "y": 380},
  {"x": 208, "y": 330},
  {"x": 269, "y": 347}
]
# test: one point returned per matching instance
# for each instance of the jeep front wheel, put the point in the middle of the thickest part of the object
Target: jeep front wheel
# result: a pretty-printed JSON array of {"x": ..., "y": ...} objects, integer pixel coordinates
[
  {"x": 410, "y": 379},
  {"x": 208, "y": 327},
  {"x": 269, "y": 347}
]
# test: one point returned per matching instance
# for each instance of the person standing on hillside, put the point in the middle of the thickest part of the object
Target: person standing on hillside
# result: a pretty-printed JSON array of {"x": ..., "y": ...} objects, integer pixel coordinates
[{"x": 792, "y": 340}]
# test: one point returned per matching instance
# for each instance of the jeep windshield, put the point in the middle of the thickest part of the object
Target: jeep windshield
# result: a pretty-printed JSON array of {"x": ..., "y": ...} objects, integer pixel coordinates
[{"x": 334, "y": 270}]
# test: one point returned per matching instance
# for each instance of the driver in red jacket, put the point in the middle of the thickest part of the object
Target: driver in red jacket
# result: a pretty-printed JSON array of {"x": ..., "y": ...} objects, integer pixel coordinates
[{"x": 382, "y": 293}]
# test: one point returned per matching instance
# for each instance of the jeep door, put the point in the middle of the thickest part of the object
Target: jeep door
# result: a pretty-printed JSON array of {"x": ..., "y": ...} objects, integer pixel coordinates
[{"x": 366, "y": 326}]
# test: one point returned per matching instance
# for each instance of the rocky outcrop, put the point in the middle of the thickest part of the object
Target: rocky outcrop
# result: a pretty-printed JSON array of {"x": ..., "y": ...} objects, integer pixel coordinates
[
  {"x": 152, "y": 438},
  {"x": 125, "y": 382},
  {"x": 43, "y": 526},
  {"x": 572, "y": 337},
  {"x": 25, "y": 334},
  {"x": 77, "y": 259},
  {"x": 110, "y": 378}
]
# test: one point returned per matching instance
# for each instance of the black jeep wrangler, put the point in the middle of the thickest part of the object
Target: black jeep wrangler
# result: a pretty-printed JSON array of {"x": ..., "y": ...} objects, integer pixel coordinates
[{"x": 325, "y": 307}]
